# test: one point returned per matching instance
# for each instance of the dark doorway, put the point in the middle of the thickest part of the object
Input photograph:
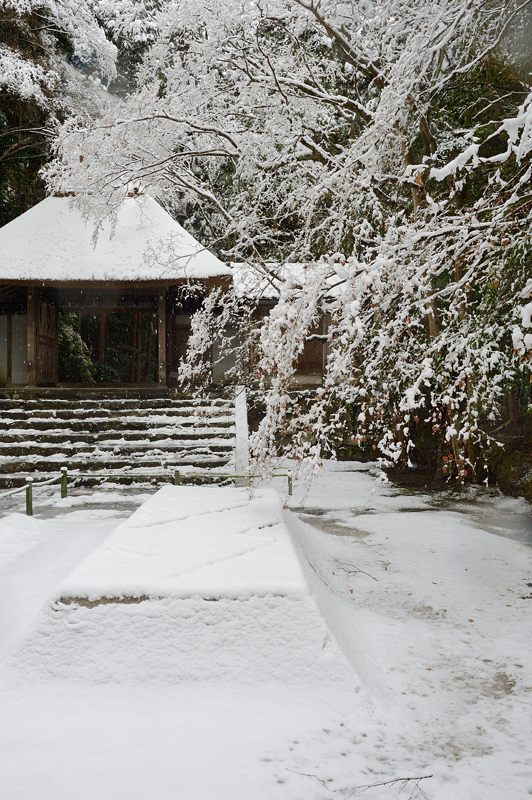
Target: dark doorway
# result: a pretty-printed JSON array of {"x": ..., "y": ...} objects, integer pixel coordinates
[
  {"x": 181, "y": 303},
  {"x": 108, "y": 347},
  {"x": 46, "y": 340},
  {"x": 13, "y": 336}
]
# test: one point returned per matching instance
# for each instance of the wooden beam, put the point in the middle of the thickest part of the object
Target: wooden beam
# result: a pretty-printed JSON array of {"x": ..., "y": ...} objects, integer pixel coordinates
[
  {"x": 161, "y": 337},
  {"x": 215, "y": 282},
  {"x": 31, "y": 352}
]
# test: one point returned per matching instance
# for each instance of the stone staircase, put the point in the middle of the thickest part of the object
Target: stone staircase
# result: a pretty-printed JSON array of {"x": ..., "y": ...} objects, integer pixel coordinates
[{"x": 121, "y": 435}]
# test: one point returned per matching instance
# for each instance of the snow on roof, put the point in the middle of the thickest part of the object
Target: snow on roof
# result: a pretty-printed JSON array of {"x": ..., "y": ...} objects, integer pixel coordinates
[
  {"x": 255, "y": 285},
  {"x": 53, "y": 242}
]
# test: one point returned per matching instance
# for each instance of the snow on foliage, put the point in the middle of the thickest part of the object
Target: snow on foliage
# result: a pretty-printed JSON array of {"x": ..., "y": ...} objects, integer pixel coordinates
[
  {"x": 128, "y": 19},
  {"x": 75, "y": 20},
  {"x": 355, "y": 140},
  {"x": 27, "y": 80}
]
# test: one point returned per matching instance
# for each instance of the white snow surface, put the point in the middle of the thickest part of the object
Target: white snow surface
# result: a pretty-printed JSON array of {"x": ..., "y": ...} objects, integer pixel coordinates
[
  {"x": 242, "y": 691},
  {"x": 18, "y": 533},
  {"x": 194, "y": 541},
  {"x": 53, "y": 242},
  {"x": 199, "y": 584},
  {"x": 174, "y": 696}
]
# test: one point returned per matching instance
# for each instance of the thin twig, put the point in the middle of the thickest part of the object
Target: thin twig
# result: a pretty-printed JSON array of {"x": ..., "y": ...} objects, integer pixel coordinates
[
  {"x": 353, "y": 571},
  {"x": 401, "y": 782}
]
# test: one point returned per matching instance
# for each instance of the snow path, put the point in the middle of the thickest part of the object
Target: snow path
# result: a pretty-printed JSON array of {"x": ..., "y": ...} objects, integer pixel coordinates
[
  {"x": 27, "y": 582},
  {"x": 430, "y": 597},
  {"x": 175, "y": 697},
  {"x": 195, "y": 742}
]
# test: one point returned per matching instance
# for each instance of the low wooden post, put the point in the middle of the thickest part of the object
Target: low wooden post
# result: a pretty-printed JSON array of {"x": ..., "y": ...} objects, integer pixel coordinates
[
  {"x": 64, "y": 482},
  {"x": 290, "y": 483},
  {"x": 177, "y": 478},
  {"x": 29, "y": 497}
]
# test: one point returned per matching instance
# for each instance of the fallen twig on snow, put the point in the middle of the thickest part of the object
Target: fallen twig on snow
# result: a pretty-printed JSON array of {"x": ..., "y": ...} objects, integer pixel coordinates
[
  {"x": 353, "y": 571},
  {"x": 412, "y": 782}
]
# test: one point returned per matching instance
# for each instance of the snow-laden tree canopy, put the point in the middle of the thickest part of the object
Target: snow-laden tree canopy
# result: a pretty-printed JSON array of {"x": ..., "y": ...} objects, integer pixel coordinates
[
  {"x": 58, "y": 58},
  {"x": 385, "y": 145},
  {"x": 43, "y": 26},
  {"x": 54, "y": 58}
]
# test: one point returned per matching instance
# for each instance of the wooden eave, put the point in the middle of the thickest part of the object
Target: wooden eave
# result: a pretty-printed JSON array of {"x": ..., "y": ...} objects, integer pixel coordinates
[{"x": 216, "y": 281}]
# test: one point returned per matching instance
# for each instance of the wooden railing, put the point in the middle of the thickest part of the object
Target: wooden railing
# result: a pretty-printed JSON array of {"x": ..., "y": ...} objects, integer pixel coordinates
[
  {"x": 30, "y": 485},
  {"x": 178, "y": 478}
]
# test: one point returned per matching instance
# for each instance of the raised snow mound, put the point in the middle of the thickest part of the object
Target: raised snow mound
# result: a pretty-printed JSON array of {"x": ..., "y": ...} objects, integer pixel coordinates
[{"x": 199, "y": 584}]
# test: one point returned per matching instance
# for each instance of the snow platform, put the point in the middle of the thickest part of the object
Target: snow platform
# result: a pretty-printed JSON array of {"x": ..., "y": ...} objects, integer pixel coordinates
[{"x": 199, "y": 584}]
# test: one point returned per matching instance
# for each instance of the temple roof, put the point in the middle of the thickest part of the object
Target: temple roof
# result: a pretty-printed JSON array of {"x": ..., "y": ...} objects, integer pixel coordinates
[{"x": 53, "y": 242}]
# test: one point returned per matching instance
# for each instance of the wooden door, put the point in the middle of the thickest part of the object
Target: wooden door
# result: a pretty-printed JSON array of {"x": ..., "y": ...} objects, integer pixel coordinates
[
  {"x": 46, "y": 342},
  {"x": 312, "y": 360},
  {"x": 177, "y": 340}
]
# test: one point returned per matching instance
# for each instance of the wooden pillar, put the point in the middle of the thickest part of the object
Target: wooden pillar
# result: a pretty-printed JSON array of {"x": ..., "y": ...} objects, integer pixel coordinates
[
  {"x": 134, "y": 348},
  {"x": 101, "y": 337},
  {"x": 137, "y": 348},
  {"x": 161, "y": 336},
  {"x": 9, "y": 352},
  {"x": 31, "y": 322}
]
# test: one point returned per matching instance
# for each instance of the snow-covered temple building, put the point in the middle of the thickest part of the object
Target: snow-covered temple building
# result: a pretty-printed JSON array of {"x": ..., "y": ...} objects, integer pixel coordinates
[
  {"x": 76, "y": 308},
  {"x": 93, "y": 329}
]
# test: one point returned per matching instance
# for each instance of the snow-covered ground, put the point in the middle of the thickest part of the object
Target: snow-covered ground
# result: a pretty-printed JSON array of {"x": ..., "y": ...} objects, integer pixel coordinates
[
  {"x": 433, "y": 599},
  {"x": 240, "y": 692}
]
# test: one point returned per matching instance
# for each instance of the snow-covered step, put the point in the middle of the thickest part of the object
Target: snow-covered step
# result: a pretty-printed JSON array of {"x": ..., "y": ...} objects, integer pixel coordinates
[
  {"x": 101, "y": 414},
  {"x": 162, "y": 436},
  {"x": 113, "y": 403},
  {"x": 113, "y": 435},
  {"x": 140, "y": 476},
  {"x": 29, "y": 465},
  {"x": 130, "y": 442},
  {"x": 111, "y": 423},
  {"x": 35, "y": 450}
]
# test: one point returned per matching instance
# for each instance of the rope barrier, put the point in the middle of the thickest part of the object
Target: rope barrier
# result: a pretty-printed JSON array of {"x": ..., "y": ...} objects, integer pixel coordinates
[
  {"x": 18, "y": 489},
  {"x": 9, "y": 492},
  {"x": 177, "y": 477},
  {"x": 30, "y": 485}
]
